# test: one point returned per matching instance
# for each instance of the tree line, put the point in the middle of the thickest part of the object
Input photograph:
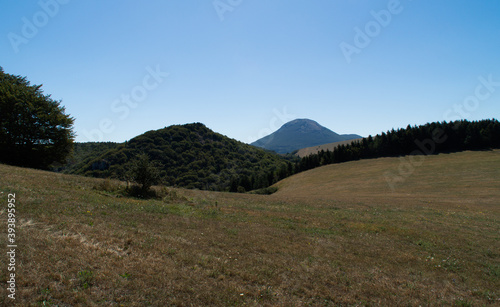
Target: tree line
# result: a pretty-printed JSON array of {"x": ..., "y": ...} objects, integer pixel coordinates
[{"x": 431, "y": 138}]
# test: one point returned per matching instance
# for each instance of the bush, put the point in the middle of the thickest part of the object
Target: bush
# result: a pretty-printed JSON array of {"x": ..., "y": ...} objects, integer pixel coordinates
[{"x": 241, "y": 189}]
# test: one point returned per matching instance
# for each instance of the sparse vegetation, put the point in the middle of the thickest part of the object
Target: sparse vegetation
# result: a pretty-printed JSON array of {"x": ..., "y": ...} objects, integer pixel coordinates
[
  {"x": 335, "y": 235},
  {"x": 85, "y": 278}
]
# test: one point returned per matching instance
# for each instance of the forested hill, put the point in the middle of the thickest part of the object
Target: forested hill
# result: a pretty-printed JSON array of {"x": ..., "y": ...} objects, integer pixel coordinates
[{"x": 191, "y": 156}]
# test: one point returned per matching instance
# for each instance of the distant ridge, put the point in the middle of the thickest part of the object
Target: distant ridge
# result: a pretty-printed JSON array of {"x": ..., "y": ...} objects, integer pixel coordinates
[{"x": 298, "y": 134}]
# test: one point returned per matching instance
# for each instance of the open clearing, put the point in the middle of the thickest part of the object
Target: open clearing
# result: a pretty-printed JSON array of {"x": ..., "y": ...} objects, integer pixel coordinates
[{"x": 336, "y": 235}]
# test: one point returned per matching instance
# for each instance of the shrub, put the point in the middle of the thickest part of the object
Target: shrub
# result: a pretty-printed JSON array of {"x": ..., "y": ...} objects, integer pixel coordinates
[{"x": 145, "y": 173}]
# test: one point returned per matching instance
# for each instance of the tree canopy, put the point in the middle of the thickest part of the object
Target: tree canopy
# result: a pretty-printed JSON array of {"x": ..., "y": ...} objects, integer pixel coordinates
[
  {"x": 144, "y": 172},
  {"x": 34, "y": 129},
  {"x": 191, "y": 156}
]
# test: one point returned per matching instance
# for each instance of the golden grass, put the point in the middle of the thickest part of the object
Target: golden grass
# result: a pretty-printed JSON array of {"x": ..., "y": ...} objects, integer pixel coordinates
[{"x": 336, "y": 235}]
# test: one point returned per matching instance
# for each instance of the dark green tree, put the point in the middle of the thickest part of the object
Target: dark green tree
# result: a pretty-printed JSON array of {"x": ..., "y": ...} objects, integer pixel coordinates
[
  {"x": 145, "y": 173},
  {"x": 34, "y": 129}
]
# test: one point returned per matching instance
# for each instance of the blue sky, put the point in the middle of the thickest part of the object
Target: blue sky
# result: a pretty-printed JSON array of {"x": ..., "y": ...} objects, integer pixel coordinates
[{"x": 245, "y": 67}]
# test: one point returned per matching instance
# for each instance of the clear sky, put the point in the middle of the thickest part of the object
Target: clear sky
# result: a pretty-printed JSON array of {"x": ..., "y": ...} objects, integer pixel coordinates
[{"x": 245, "y": 67}]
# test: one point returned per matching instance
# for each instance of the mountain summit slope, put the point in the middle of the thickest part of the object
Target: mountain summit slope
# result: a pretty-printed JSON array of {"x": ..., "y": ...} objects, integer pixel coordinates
[{"x": 300, "y": 133}]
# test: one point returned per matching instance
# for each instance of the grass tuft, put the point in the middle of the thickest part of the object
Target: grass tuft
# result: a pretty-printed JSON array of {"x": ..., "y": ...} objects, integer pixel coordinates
[{"x": 85, "y": 278}]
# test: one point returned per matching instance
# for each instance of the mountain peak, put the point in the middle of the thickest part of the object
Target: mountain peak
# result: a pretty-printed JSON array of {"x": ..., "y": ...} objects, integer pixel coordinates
[
  {"x": 299, "y": 133},
  {"x": 304, "y": 124}
]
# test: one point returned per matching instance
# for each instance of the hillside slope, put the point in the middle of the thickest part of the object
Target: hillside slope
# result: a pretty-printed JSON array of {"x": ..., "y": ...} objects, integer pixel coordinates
[
  {"x": 191, "y": 156},
  {"x": 333, "y": 236},
  {"x": 445, "y": 178},
  {"x": 300, "y": 133}
]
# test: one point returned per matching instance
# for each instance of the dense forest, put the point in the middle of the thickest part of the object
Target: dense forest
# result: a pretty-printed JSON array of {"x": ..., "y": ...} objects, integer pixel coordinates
[
  {"x": 191, "y": 156},
  {"x": 433, "y": 138}
]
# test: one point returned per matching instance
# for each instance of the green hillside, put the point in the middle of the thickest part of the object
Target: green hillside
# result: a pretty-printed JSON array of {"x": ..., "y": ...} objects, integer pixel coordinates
[
  {"x": 333, "y": 236},
  {"x": 192, "y": 156}
]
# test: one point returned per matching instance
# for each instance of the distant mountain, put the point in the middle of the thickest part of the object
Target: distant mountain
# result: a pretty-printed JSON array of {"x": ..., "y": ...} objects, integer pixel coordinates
[
  {"x": 191, "y": 155},
  {"x": 300, "y": 133}
]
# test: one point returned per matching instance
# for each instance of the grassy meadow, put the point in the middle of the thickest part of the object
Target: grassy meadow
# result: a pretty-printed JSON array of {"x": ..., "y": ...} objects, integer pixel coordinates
[{"x": 332, "y": 236}]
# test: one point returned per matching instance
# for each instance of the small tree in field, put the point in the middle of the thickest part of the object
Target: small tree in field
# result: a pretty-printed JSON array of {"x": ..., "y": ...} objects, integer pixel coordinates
[
  {"x": 34, "y": 130},
  {"x": 145, "y": 173}
]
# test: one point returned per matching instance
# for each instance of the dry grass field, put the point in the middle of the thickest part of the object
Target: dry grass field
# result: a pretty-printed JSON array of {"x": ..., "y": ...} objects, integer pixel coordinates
[{"x": 333, "y": 236}]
